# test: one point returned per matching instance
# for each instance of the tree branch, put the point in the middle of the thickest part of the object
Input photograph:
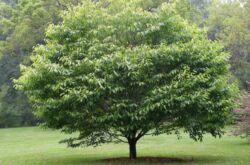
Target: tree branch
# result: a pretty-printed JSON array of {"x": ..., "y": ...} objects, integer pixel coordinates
[{"x": 116, "y": 136}]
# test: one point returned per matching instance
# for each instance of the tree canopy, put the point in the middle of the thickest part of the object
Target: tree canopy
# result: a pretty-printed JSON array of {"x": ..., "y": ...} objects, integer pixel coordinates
[
  {"x": 23, "y": 24},
  {"x": 116, "y": 72}
]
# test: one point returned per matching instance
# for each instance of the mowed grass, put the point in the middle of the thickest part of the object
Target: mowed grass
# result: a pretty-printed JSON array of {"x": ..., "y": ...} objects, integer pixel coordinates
[{"x": 35, "y": 146}]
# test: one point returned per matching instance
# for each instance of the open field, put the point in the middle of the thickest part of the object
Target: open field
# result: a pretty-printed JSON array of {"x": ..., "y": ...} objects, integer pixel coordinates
[{"x": 34, "y": 146}]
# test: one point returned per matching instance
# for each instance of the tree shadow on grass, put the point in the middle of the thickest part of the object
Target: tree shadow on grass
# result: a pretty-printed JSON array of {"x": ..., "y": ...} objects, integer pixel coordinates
[
  {"x": 82, "y": 160},
  {"x": 162, "y": 160},
  {"x": 145, "y": 160}
]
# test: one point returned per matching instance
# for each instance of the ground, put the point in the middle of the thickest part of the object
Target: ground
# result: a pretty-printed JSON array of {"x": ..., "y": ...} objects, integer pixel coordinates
[{"x": 35, "y": 146}]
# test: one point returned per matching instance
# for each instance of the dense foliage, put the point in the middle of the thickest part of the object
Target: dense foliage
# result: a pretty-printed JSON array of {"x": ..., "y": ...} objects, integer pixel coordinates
[
  {"x": 23, "y": 22},
  {"x": 22, "y": 26},
  {"x": 116, "y": 72}
]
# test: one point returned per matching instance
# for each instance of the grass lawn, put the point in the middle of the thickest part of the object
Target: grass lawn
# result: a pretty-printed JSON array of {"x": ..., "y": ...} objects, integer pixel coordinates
[{"x": 34, "y": 146}]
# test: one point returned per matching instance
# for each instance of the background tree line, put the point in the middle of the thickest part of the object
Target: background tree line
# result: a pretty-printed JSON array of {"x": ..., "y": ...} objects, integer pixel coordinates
[{"x": 23, "y": 24}]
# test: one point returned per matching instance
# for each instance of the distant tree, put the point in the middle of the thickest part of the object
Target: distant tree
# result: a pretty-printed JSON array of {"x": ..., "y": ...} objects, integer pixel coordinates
[
  {"x": 22, "y": 26},
  {"x": 195, "y": 11},
  {"x": 191, "y": 10},
  {"x": 202, "y": 6},
  {"x": 229, "y": 23},
  {"x": 116, "y": 72},
  {"x": 243, "y": 124}
]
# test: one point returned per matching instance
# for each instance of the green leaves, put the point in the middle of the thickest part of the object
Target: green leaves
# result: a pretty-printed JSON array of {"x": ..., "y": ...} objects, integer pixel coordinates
[{"x": 122, "y": 71}]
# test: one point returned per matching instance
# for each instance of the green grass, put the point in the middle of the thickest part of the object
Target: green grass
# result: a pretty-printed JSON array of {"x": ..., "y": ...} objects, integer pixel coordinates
[{"x": 34, "y": 146}]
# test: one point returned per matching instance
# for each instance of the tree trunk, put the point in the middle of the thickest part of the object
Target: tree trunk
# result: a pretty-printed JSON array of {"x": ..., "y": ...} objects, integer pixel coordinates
[{"x": 132, "y": 150}]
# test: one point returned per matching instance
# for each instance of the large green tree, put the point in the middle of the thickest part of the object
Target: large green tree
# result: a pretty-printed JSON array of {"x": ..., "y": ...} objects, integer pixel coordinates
[{"x": 116, "y": 72}]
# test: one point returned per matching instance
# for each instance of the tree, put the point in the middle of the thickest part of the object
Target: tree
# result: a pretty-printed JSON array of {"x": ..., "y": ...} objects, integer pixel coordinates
[
  {"x": 229, "y": 23},
  {"x": 243, "y": 124},
  {"x": 115, "y": 72}
]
